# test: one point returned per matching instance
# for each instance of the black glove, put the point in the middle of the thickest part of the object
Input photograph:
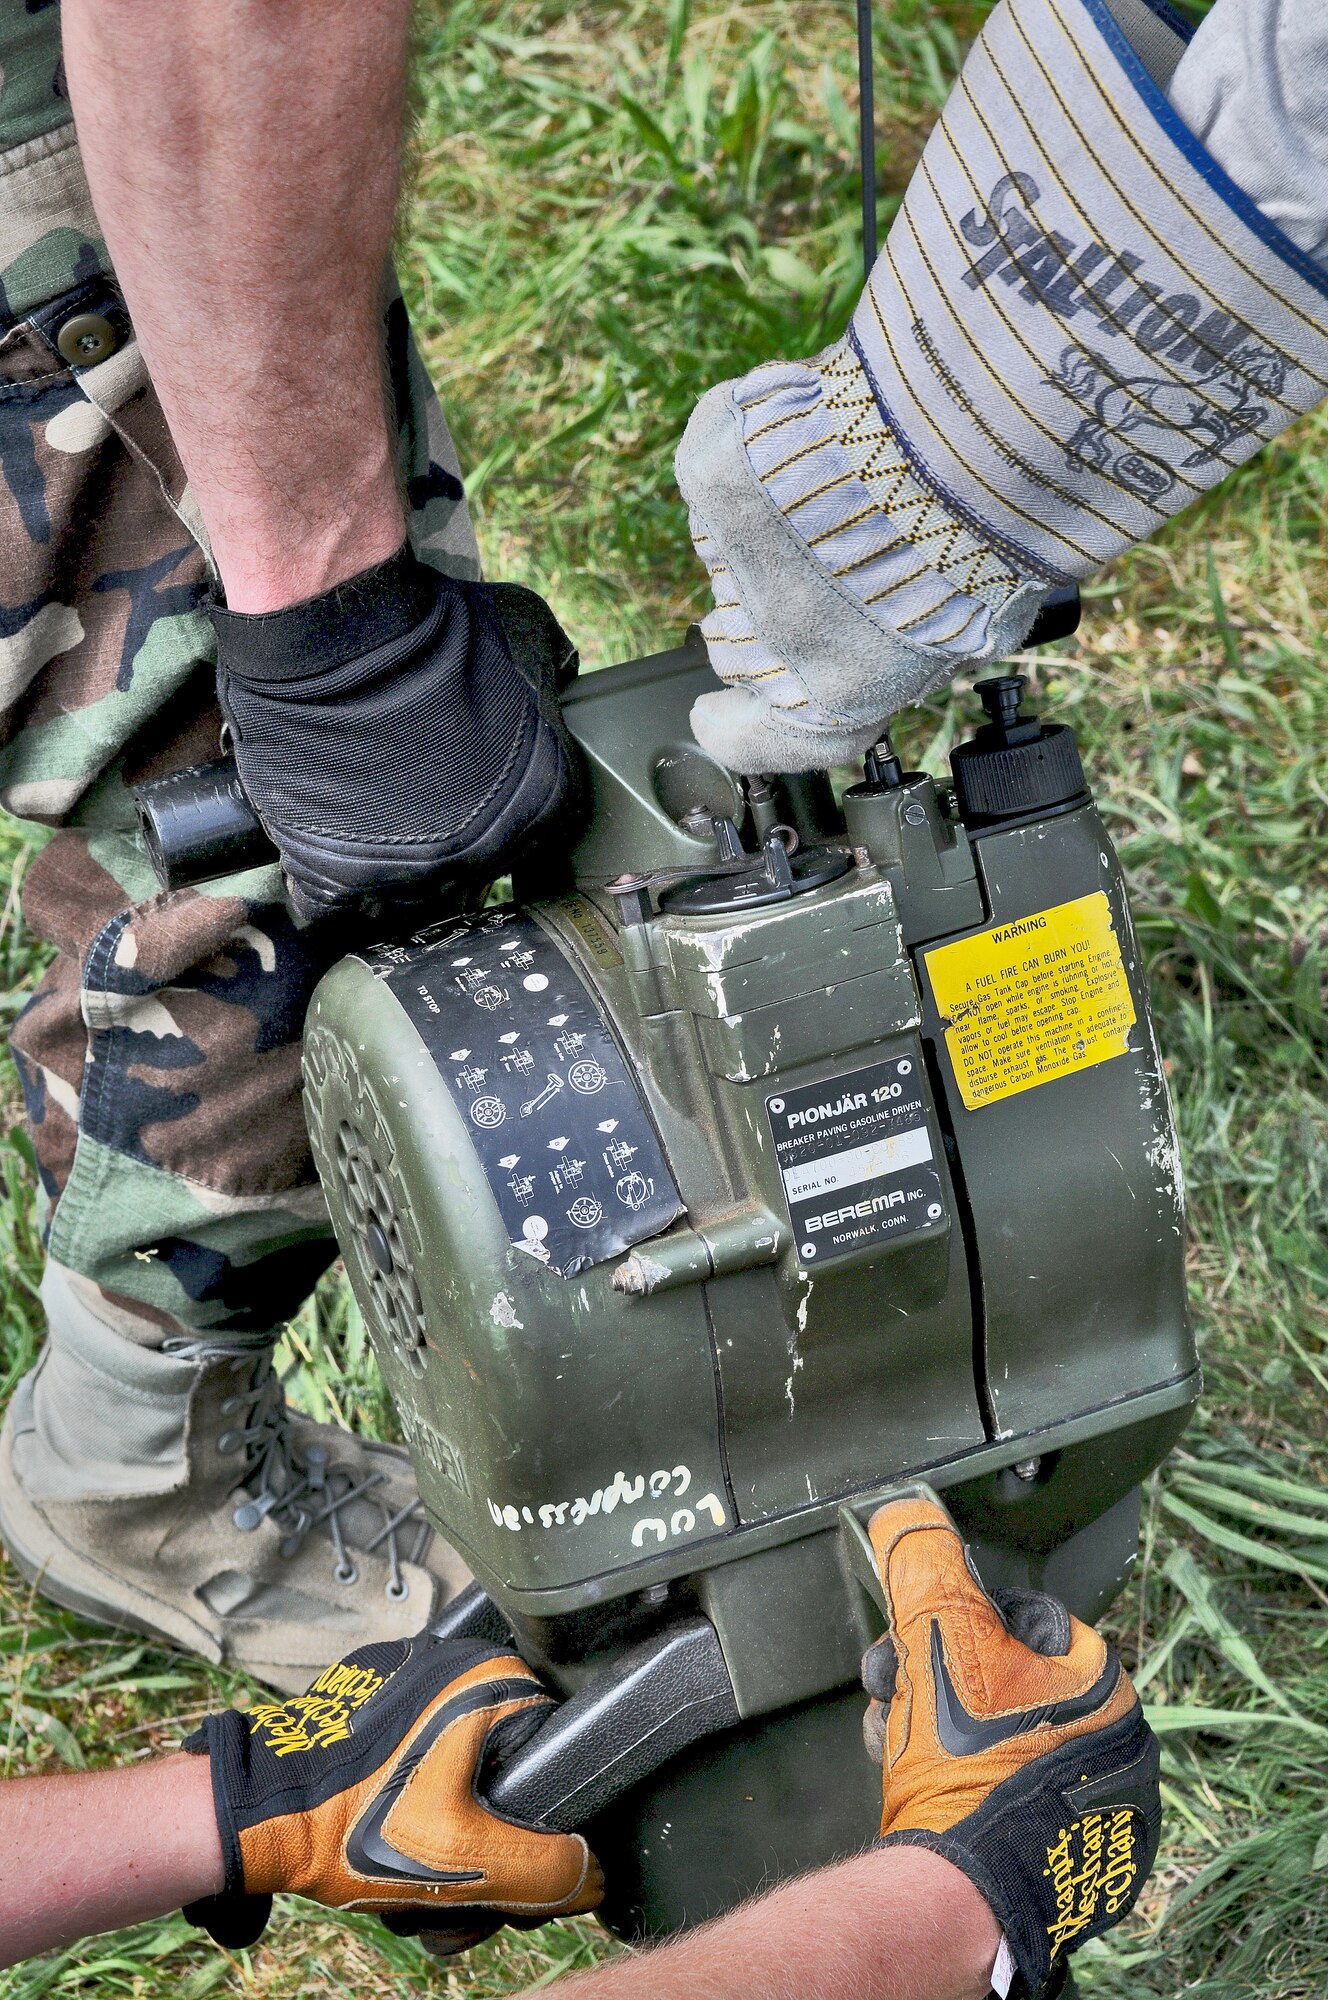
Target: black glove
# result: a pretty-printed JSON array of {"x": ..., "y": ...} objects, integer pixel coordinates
[{"x": 401, "y": 729}]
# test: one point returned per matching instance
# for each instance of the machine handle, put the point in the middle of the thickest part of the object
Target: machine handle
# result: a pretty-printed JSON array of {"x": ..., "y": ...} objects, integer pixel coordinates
[
  {"x": 472, "y": 1614},
  {"x": 199, "y": 824},
  {"x": 658, "y": 1699},
  {"x": 1058, "y": 617}
]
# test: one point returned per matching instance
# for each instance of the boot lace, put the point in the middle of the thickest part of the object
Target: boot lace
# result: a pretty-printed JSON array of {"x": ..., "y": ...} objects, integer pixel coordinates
[{"x": 301, "y": 1487}]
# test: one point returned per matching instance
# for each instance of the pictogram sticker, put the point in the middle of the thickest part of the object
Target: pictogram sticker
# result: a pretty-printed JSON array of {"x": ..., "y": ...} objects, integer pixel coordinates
[{"x": 554, "y": 1110}]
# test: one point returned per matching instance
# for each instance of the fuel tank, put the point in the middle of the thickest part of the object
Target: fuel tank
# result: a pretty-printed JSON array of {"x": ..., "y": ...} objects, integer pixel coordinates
[{"x": 762, "y": 1153}]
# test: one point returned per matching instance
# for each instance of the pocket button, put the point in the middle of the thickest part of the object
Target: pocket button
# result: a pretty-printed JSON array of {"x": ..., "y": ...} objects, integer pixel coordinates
[{"x": 86, "y": 339}]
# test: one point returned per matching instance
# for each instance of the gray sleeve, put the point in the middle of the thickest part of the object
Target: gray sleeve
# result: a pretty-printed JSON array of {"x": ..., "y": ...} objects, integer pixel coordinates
[{"x": 1253, "y": 86}]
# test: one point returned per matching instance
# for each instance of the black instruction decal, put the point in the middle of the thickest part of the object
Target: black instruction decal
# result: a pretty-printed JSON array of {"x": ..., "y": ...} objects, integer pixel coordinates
[
  {"x": 855, "y": 1156},
  {"x": 555, "y": 1116}
]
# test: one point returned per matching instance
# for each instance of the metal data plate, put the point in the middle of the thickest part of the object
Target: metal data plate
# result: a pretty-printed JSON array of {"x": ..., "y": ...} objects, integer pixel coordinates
[
  {"x": 855, "y": 1157},
  {"x": 554, "y": 1114}
]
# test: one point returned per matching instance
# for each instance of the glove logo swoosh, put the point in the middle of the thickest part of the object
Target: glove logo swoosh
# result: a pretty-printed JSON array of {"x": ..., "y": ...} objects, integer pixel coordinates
[
  {"x": 963, "y": 1734},
  {"x": 369, "y": 1852}
]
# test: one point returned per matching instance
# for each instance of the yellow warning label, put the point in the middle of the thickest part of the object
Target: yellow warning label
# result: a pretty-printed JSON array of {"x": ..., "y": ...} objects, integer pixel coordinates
[{"x": 1032, "y": 1000}]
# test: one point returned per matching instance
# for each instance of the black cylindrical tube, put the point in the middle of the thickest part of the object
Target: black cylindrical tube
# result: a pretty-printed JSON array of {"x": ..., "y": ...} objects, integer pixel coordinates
[
  {"x": 867, "y": 134},
  {"x": 806, "y": 801},
  {"x": 1058, "y": 617},
  {"x": 198, "y": 824}
]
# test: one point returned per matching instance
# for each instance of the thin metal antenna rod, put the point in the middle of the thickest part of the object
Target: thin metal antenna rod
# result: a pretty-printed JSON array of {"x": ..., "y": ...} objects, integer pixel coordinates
[{"x": 867, "y": 134}]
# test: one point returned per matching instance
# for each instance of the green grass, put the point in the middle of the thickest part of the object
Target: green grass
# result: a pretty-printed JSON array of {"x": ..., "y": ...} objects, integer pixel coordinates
[{"x": 618, "y": 204}]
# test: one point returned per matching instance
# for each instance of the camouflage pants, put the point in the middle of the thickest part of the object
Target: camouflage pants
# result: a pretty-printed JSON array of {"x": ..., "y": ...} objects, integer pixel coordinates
[{"x": 160, "y": 1054}]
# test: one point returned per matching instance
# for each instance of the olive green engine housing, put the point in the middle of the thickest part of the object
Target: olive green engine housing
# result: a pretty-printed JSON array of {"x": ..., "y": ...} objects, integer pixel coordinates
[{"x": 989, "y": 1295}]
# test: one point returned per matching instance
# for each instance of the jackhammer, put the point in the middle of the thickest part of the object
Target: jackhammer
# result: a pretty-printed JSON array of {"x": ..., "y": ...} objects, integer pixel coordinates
[{"x": 766, "y": 1153}]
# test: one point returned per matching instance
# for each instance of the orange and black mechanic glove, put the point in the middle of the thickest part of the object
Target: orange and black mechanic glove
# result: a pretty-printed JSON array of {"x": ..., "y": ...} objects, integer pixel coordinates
[
  {"x": 1012, "y": 1743},
  {"x": 365, "y": 1793}
]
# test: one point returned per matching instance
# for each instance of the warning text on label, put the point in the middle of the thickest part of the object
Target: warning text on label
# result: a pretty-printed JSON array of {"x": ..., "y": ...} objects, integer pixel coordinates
[{"x": 1031, "y": 1000}]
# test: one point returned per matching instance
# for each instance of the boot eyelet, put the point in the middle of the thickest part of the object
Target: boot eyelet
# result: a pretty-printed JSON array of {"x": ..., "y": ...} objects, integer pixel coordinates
[
  {"x": 228, "y": 1441},
  {"x": 248, "y": 1516},
  {"x": 397, "y": 1593},
  {"x": 346, "y": 1573}
]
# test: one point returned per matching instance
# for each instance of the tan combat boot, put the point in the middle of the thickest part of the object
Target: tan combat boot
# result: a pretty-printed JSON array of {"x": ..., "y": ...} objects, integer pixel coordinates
[{"x": 169, "y": 1489}]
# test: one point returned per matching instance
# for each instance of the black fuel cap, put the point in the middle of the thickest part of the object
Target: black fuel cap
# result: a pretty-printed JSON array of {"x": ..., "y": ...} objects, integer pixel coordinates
[{"x": 1015, "y": 767}]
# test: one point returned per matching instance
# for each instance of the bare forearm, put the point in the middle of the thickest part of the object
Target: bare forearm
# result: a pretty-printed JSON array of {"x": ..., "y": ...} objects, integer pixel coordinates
[
  {"x": 249, "y": 222},
  {"x": 87, "y": 1853},
  {"x": 898, "y": 1924}
]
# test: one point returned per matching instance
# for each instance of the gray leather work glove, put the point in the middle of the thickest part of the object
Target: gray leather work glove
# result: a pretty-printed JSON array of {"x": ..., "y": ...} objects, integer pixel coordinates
[{"x": 1079, "y": 323}]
